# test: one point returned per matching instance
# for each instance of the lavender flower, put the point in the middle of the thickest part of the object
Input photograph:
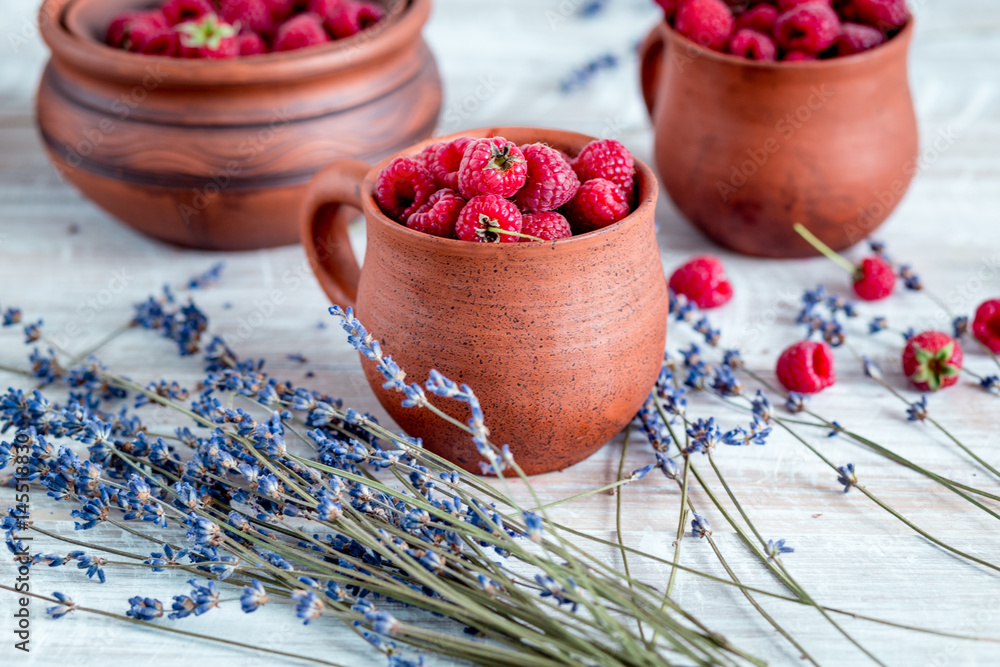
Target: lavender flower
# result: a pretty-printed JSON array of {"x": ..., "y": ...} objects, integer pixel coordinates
[
  {"x": 847, "y": 477},
  {"x": 775, "y": 549},
  {"x": 308, "y": 605},
  {"x": 65, "y": 606},
  {"x": 700, "y": 526},
  {"x": 917, "y": 412},
  {"x": 254, "y": 597},
  {"x": 144, "y": 609}
]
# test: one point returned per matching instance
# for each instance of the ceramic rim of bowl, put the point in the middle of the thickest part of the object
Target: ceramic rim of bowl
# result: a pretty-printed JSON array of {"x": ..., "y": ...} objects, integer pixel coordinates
[
  {"x": 646, "y": 194},
  {"x": 899, "y": 40},
  {"x": 70, "y": 40}
]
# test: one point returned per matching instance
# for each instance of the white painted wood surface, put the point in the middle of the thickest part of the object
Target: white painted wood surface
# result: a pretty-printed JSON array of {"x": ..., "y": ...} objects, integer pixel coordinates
[{"x": 849, "y": 554}]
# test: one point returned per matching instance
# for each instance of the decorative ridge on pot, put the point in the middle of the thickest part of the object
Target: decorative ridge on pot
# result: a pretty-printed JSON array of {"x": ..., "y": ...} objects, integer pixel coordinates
[{"x": 74, "y": 35}]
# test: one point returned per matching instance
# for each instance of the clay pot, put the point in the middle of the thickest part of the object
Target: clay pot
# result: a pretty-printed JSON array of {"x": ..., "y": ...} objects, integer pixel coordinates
[
  {"x": 747, "y": 149},
  {"x": 561, "y": 341},
  {"x": 218, "y": 154}
]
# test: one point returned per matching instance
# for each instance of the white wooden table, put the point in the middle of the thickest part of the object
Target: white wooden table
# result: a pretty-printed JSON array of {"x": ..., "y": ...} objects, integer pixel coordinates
[{"x": 58, "y": 253}]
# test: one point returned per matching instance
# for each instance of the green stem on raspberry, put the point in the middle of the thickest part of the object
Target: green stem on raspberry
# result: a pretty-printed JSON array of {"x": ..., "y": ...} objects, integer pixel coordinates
[
  {"x": 498, "y": 230},
  {"x": 829, "y": 252}
]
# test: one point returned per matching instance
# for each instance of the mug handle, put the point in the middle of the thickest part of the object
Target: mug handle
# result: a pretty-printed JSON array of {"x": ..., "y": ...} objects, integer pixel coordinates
[
  {"x": 333, "y": 200},
  {"x": 652, "y": 52}
]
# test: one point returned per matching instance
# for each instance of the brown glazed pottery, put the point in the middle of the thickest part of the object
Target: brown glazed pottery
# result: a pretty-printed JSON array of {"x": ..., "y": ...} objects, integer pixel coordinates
[
  {"x": 561, "y": 341},
  {"x": 217, "y": 154},
  {"x": 746, "y": 149}
]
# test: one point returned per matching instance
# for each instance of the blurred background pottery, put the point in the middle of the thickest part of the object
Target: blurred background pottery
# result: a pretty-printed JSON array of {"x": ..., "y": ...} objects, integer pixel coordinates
[
  {"x": 217, "y": 154},
  {"x": 561, "y": 341},
  {"x": 746, "y": 149}
]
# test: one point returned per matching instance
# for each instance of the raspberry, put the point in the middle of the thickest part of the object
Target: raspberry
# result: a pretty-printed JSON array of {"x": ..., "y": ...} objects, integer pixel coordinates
[
  {"x": 707, "y": 22},
  {"x": 806, "y": 367},
  {"x": 883, "y": 14},
  {"x": 491, "y": 166},
  {"x": 875, "y": 279},
  {"x": 182, "y": 11},
  {"x": 251, "y": 44},
  {"x": 798, "y": 56},
  {"x": 486, "y": 211},
  {"x": 443, "y": 159},
  {"x": 439, "y": 215},
  {"x": 207, "y": 37},
  {"x": 760, "y": 18},
  {"x": 607, "y": 159},
  {"x": 402, "y": 187},
  {"x": 986, "y": 325},
  {"x": 703, "y": 281},
  {"x": 121, "y": 26},
  {"x": 551, "y": 181},
  {"x": 252, "y": 15},
  {"x": 547, "y": 225},
  {"x": 158, "y": 41},
  {"x": 753, "y": 45},
  {"x": 282, "y": 10},
  {"x": 811, "y": 28},
  {"x": 299, "y": 32},
  {"x": 855, "y": 38},
  {"x": 353, "y": 17},
  {"x": 785, "y": 5},
  {"x": 932, "y": 360},
  {"x": 597, "y": 204}
]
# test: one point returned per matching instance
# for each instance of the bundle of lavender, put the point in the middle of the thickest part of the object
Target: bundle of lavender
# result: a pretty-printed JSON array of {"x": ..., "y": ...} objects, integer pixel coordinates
[{"x": 281, "y": 492}]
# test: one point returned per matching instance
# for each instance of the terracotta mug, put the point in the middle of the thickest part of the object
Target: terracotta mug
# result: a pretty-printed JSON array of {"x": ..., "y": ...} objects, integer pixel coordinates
[
  {"x": 746, "y": 149},
  {"x": 217, "y": 154},
  {"x": 561, "y": 341}
]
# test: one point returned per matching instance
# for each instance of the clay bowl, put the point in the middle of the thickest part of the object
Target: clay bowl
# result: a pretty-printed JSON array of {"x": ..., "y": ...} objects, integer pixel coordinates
[
  {"x": 561, "y": 341},
  {"x": 747, "y": 149},
  {"x": 218, "y": 154}
]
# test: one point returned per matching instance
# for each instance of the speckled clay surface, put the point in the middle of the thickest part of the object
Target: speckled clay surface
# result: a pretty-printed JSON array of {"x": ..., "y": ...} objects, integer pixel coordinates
[
  {"x": 747, "y": 149},
  {"x": 561, "y": 341},
  {"x": 217, "y": 154}
]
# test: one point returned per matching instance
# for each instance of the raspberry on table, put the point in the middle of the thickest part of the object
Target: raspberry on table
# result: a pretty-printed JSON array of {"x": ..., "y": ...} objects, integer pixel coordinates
[
  {"x": 748, "y": 43},
  {"x": 442, "y": 160},
  {"x": 439, "y": 215},
  {"x": 855, "y": 38},
  {"x": 806, "y": 367},
  {"x": 810, "y": 28},
  {"x": 483, "y": 212},
  {"x": 252, "y": 15},
  {"x": 550, "y": 181},
  {"x": 491, "y": 166},
  {"x": 402, "y": 187},
  {"x": 875, "y": 279},
  {"x": 932, "y": 360},
  {"x": 986, "y": 325},
  {"x": 703, "y": 281},
  {"x": 707, "y": 22},
  {"x": 182, "y": 11},
  {"x": 352, "y": 17},
  {"x": 598, "y": 203},
  {"x": 299, "y": 32},
  {"x": 546, "y": 225},
  {"x": 882, "y": 14},
  {"x": 760, "y": 18},
  {"x": 607, "y": 159}
]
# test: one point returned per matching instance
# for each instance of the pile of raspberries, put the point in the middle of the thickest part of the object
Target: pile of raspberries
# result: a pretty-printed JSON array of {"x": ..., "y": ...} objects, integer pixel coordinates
[
  {"x": 234, "y": 28},
  {"x": 787, "y": 30},
  {"x": 493, "y": 191}
]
